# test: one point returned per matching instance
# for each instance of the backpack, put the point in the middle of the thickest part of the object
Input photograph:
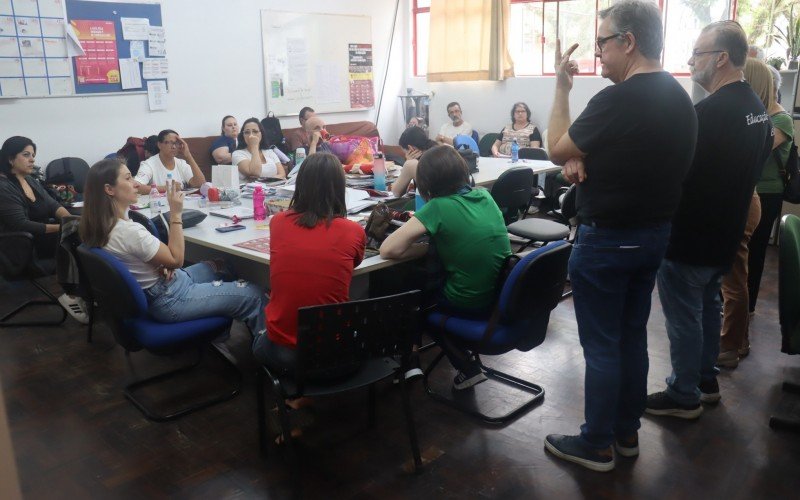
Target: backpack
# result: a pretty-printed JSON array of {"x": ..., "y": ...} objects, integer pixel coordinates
[
  {"x": 469, "y": 156},
  {"x": 790, "y": 174},
  {"x": 65, "y": 177},
  {"x": 133, "y": 153},
  {"x": 273, "y": 133}
]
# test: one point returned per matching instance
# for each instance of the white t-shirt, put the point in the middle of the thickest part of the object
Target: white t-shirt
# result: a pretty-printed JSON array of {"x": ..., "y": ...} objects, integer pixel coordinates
[
  {"x": 268, "y": 169},
  {"x": 152, "y": 170},
  {"x": 449, "y": 130},
  {"x": 133, "y": 244}
]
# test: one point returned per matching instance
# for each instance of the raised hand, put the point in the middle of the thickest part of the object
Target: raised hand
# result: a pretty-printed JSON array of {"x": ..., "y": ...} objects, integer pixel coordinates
[
  {"x": 175, "y": 198},
  {"x": 565, "y": 67}
]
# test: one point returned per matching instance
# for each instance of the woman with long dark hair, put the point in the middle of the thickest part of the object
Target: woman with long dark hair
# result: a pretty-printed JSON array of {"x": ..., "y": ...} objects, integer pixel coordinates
[
  {"x": 26, "y": 206},
  {"x": 173, "y": 293},
  {"x": 315, "y": 230}
]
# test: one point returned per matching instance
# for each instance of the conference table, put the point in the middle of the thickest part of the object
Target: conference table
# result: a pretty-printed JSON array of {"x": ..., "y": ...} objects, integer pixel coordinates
[{"x": 204, "y": 242}]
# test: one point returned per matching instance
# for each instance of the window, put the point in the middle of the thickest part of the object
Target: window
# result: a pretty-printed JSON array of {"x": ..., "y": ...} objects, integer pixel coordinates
[
  {"x": 535, "y": 25},
  {"x": 421, "y": 13}
]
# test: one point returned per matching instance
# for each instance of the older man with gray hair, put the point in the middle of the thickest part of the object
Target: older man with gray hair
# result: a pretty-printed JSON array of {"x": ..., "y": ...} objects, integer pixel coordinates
[{"x": 629, "y": 151}]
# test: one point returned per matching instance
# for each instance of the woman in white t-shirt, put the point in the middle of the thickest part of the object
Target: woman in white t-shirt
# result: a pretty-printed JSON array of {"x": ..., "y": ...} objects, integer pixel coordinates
[
  {"x": 154, "y": 170},
  {"x": 253, "y": 157},
  {"x": 173, "y": 294}
]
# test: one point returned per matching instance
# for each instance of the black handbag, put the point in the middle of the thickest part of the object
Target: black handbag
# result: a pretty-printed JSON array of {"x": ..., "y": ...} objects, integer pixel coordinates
[
  {"x": 469, "y": 156},
  {"x": 790, "y": 174},
  {"x": 189, "y": 217}
]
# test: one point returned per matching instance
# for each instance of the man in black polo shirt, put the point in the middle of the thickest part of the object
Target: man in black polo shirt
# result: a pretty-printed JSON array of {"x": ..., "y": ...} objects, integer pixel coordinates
[
  {"x": 628, "y": 151},
  {"x": 734, "y": 140}
]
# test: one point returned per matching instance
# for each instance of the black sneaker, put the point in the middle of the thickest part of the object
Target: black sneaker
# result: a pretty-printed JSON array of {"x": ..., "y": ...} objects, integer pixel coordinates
[
  {"x": 660, "y": 403},
  {"x": 709, "y": 391},
  {"x": 414, "y": 369},
  {"x": 470, "y": 376},
  {"x": 572, "y": 449},
  {"x": 627, "y": 446}
]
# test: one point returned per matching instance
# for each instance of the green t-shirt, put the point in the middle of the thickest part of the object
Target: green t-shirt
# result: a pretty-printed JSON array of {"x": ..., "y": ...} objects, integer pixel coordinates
[
  {"x": 472, "y": 242},
  {"x": 771, "y": 180}
]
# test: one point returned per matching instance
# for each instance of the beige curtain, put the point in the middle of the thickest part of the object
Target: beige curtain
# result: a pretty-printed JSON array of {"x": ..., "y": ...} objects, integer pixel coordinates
[{"x": 469, "y": 41}]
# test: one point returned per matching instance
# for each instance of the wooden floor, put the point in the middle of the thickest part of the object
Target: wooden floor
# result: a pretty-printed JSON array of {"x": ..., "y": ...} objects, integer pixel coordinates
[{"x": 75, "y": 435}]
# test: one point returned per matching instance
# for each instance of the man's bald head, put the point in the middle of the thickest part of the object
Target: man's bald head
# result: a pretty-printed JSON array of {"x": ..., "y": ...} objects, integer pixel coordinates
[{"x": 314, "y": 124}]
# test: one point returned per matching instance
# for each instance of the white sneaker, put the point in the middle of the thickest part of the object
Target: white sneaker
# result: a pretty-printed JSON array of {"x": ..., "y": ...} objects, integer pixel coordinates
[{"x": 76, "y": 308}]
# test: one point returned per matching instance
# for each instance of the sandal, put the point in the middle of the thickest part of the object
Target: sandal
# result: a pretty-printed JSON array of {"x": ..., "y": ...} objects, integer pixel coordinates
[{"x": 298, "y": 420}]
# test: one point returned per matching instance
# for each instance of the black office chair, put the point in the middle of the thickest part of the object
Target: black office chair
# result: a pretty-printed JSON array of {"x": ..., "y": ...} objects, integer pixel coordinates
[
  {"x": 121, "y": 300},
  {"x": 533, "y": 154},
  {"x": 18, "y": 262},
  {"x": 532, "y": 289},
  {"x": 512, "y": 192},
  {"x": 342, "y": 347},
  {"x": 67, "y": 170},
  {"x": 486, "y": 143}
]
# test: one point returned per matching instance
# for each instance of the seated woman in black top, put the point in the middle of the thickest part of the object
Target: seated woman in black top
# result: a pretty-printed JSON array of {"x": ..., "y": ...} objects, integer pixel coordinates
[{"x": 26, "y": 206}]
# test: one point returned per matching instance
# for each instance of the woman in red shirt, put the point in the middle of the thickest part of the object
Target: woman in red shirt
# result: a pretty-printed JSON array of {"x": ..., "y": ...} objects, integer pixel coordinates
[{"x": 313, "y": 251}]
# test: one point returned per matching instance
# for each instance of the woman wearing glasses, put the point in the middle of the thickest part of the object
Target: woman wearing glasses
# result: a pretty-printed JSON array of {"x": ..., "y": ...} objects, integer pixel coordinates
[
  {"x": 521, "y": 129},
  {"x": 253, "y": 156},
  {"x": 154, "y": 170}
]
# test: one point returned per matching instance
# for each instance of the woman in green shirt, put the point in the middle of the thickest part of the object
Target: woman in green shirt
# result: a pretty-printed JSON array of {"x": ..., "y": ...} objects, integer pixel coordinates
[{"x": 471, "y": 241}]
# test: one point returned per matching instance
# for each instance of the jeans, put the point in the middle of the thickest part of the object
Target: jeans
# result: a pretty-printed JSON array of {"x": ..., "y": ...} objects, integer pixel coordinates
[
  {"x": 736, "y": 319},
  {"x": 192, "y": 294},
  {"x": 690, "y": 300},
  {"x": 613, "y": 273},
  {"x": 279, "y": 358}
]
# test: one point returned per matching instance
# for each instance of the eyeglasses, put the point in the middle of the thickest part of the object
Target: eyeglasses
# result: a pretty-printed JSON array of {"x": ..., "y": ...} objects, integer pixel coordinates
[
  {"x": 696, "y": 52},
  {"x": 601, "y": 41},
  {"x": 172, "y": 144}
]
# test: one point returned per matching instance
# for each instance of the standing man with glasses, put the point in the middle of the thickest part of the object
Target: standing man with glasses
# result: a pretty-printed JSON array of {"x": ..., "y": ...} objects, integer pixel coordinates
[
  {"x": 628, "y": 151},
  {"x": 734, "y": 140}
]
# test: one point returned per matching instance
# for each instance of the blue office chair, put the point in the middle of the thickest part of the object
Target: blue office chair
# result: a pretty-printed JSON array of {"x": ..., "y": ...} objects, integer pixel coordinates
[
  {"x": 519, "y": 320},
  {"x": 465, "y": 140},
  {"x": 475, "y": 136},
  {"x": 122, "y": 302}
]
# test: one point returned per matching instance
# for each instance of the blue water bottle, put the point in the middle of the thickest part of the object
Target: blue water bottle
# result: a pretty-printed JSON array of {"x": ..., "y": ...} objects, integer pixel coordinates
[{"x": 514, "y": 151}]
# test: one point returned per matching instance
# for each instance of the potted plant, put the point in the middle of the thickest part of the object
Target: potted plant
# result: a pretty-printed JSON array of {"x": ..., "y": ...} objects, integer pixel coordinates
[
  {"x": 776, "y": 62},
  {"x": 790, "y": 38}
]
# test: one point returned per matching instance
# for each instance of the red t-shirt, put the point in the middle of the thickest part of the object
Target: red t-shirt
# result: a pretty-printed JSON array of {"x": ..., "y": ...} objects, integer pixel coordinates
[{"x": 308, "y": 267}]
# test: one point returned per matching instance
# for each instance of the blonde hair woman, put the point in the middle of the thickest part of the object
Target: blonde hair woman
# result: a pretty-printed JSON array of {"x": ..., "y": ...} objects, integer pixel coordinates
[{"x": 740, "y": 285}]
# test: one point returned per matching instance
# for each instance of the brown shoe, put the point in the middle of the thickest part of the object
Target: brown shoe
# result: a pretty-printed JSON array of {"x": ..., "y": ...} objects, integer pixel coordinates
[
  {"x": 627, "y": 446},
  {"x": 728, "y": 359}
]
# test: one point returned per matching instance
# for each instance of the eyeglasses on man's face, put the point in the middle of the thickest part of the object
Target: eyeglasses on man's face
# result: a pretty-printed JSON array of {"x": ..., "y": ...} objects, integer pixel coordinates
[
  {"x": 696, "y": 52},
  {"x": 602, "y": 41}
]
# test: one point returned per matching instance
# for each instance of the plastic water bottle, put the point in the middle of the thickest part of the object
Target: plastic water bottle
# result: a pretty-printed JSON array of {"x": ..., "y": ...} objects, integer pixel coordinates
[
  {"x": 259, "y": 211},
  {"x": 379, "y": 171},
  {"x": 299, "y": 156},
  {"x": 514, "y": 151},
  {"x": 169, "y": 181},
  {"x": 155, "y": 200}
]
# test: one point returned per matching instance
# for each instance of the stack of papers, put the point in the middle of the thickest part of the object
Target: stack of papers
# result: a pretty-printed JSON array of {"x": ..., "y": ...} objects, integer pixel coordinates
[
  {"x": 355, "y": 199},
  {"x": 228, "y": 213}
]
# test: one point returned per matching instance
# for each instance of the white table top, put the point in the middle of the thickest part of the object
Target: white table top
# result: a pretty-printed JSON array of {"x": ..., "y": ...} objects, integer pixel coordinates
[
  {"x": 489, "y": 169},
  {"x": 205, "y": 235}
]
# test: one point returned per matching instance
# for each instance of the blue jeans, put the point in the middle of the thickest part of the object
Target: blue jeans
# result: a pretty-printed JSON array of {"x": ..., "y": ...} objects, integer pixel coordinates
[
  {"x": 690, "y": 300},
  {"x": 613, "y": 273},
  {"x": 192, "y": 294}
]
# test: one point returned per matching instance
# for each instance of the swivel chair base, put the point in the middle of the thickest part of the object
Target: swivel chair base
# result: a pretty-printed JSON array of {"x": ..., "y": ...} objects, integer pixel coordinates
[{"x": 536, "y": 394}]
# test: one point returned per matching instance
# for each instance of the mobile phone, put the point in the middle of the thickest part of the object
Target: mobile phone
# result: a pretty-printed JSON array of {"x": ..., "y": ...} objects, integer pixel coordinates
[{"x": 228, "y": 229}]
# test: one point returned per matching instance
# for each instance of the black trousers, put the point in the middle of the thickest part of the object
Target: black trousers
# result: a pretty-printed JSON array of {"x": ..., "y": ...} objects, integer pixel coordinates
[{"x": 771, "y": 204}]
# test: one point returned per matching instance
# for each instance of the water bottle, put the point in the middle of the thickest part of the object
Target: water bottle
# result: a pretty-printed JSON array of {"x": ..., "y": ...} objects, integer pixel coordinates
[
  {"x": 299, "y": 156},
  {"x": 379, "y": 171},
  {"x": 514, "y": 151},
  {"x": 169, "y": 181},
  {"x": 155, "y": 200},
  {"x": 259, "y": 212}
]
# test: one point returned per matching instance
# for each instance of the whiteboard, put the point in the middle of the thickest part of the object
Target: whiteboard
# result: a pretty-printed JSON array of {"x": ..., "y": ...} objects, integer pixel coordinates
[{"x": 319, "y": 60}]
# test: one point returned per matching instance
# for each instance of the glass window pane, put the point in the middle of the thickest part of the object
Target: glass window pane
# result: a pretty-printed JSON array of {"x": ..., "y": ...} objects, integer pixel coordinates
[
  {"x": 423, "y": 3},
  {"x": 525, "y": 38},
  {"x": 684, "y": 20},
  {"x": 423, "y": 29},
  {"x": 573, "y": 22}
]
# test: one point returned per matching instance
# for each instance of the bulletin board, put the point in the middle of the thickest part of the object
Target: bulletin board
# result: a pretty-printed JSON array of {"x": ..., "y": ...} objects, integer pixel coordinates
[
  {"x": 39, "y": 40},
  {"x": 320, "y": 60},
  {"x": 99, "y": 26}
]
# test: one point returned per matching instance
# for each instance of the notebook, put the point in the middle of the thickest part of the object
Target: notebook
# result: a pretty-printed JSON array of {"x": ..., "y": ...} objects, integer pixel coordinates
[{"x": 228, "y": 213}]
